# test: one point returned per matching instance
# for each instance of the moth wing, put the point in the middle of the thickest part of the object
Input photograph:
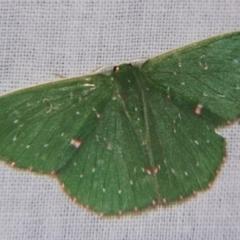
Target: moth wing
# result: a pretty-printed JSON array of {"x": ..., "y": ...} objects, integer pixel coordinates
[
  {"x": 191, "y": 91},
  {"x": 107, "y": 174},
  {"x": 42, "y": 126},
  {"x": 185, "y": 153},
  {"x": 203, "y": 77}
]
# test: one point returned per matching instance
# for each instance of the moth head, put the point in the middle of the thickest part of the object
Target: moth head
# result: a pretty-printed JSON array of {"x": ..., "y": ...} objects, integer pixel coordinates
[
  {"x": 122, "y": 67},
  {"x": 125, "y": 75}
]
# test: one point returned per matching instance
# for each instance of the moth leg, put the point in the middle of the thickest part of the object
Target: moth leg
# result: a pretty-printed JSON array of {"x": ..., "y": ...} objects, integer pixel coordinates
[{"x": 59, "y": 75}]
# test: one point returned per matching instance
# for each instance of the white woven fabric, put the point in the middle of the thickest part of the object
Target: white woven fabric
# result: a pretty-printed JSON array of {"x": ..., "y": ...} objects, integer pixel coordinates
[{"x": 38, "y": 39}]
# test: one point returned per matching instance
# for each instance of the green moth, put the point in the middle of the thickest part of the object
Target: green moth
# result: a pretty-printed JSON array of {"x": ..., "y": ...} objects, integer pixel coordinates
[{"x": 134, "y": 137}]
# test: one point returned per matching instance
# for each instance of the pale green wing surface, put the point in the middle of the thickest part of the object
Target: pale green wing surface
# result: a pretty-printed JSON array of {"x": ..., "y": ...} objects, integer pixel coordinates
[
  {"x": 192, "y": 90},
  {"x": 203, "y": 77},
  {"x": 39, "y": 124},
  {"x": 192, "y": 152},
  {"x": 106, "y": 174}
]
